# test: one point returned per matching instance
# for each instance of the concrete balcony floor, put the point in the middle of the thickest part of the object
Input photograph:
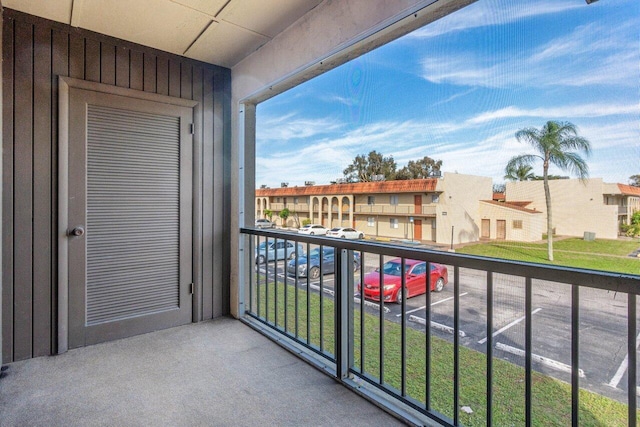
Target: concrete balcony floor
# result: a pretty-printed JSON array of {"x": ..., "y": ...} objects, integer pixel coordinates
[{"x": 216, "y": 373}]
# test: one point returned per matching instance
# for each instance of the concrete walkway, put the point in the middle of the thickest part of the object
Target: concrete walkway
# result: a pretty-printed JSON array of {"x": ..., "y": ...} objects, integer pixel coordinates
[{"x": 217, "y": 373}]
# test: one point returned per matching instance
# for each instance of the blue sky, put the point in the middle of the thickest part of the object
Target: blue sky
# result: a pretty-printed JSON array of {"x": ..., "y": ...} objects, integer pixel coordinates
[{"x": 457, "y": 90}]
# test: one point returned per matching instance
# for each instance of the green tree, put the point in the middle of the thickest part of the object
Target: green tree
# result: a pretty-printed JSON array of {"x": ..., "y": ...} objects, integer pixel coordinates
[
  {"x": 366, "y": 168},
  {"x": 284, "y": 214},
  {"x": 556, "y": 143},
  {"x": 633, "y": 229},
  {"x": 419, "y": 169},
  {"x": 296, "y": 218},
  {"x": 634, "y": 180},
  {"x": 268, "y": 213},
  {"x": 522, "y": 172}
]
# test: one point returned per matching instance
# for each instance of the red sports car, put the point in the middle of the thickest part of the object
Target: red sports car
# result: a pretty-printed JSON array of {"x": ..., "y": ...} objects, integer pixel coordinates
[{"x": 415, "y": 280}]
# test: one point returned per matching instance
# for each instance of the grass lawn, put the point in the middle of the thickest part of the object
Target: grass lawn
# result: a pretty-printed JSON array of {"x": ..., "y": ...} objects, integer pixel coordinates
[
  {"x": 551, "y": 398},
  {"x": 604, "y": 255}
]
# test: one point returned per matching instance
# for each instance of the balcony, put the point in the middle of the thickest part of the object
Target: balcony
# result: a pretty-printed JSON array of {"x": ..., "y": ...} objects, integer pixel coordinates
[
  {"x": 426, "y": 210},
  {"x": 294, "y": 207},
  {"x": 507, "y": 343},
  {"x": 213, "y": 373}
]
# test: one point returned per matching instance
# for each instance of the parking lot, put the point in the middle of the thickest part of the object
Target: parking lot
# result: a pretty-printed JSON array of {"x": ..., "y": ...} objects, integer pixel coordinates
[{"x": 603, "y": 332}]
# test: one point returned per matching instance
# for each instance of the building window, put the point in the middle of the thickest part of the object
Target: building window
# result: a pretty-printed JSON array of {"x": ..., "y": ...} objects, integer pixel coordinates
[
  {"x": 393, "y": 199},
  {"x": 517, "y": 224},
  {"x": 295, "y": 200},
  {"x": 435, "y": 198},
  {"x": 371, "y": 200},
  {"x": 371, "y": 222},
  {"x": 278, "y": 200},
  {"x": 393, "y": 222}
]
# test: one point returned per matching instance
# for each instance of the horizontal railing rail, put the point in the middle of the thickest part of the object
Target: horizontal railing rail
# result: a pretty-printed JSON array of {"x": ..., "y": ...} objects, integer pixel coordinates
[{"x": 327, "y": 315}]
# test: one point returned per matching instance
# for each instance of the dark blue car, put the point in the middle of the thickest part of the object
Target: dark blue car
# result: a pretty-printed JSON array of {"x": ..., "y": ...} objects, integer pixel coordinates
[{"x": 310, "y": 265}]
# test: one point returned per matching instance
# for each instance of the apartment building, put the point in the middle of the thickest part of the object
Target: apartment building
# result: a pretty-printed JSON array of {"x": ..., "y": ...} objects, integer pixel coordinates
[
  {"x": 440, "y": 209},
  {"x": 578, "y": 206},
  {"x": 626, "y": 197}
]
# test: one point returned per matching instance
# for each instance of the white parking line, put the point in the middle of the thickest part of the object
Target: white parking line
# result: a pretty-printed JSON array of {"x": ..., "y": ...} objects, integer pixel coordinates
[
  {"x": 515, "y": 322},
  {"x": 622, "y": 369},
  {"x": 371, "y": 304},
  {"x": 435, "y": 325},
  {"x": 543, "y": 360},
  {"x": 435, "y": 303}
]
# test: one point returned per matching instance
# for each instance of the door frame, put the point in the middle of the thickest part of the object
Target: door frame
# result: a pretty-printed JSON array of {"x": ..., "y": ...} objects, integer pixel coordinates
[{"x": 64, "y": 85}]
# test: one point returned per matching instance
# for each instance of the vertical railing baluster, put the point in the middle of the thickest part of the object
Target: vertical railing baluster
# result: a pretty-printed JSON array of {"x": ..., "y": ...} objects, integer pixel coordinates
[
  {"x": 631, "y": 351},
  {"x": 427, "y": 344},
  {"x": 275, "y": 283},
  {"x": 456, "y": 344},
  {"x": 403, "y": 326},
  {"x": 362, "y": 329},
  {"x": 381, "y": 314},
  {"x": 266, "y": 280},
  {"x": 322, "y": 296},
  {"x": 257, "y": 264},
  {"x": 489, "y": 349},
  {"x": 528, "y": 351},
  {"x": 343, "y": 335},
  {"x": 296, "y": 291},
  {"x": 308, "y": 299},
  {"x": 251, "y": 273},
  {"x": 575, "y": 355},
  {"x": 285, "y": 285}
]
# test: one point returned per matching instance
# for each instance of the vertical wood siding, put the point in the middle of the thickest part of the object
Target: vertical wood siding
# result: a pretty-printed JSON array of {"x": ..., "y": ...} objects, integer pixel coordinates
[{"x": 35, "y": 53}]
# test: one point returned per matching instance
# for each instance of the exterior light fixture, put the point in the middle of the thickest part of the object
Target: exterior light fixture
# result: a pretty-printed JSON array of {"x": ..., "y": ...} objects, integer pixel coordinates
[{"x": 591, "y": 1}]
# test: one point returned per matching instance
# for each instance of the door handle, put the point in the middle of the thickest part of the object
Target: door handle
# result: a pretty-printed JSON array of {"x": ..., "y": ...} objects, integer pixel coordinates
[{"x": 78, "y": 231}]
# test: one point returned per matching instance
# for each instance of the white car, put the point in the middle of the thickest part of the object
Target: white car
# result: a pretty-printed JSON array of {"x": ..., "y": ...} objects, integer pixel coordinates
[
  {"x": 345, "y": 233},
  {"x": 264, "y": 223},
  {"x": 313, "y": 229}
]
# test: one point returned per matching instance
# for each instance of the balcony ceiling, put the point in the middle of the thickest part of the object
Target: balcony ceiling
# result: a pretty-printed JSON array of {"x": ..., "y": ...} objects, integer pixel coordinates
[{"x": 221, "y": 32}]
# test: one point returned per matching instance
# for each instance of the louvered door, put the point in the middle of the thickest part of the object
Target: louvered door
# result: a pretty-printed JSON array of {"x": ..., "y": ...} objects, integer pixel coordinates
[{"x": 130, "y": 191}]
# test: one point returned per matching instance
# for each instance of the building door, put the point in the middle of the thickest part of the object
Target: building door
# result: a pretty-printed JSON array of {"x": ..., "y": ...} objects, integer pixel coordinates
[
  {"x": 417, "y": 229},
  {"x": 129, "y": 216},
  {"x": 486, "y": 229},
  {"x": 417, "y": 204},
  {"x": 501, "y": 229}
]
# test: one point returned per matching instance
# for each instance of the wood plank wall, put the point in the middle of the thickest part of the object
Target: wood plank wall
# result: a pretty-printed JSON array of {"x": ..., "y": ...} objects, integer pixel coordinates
[{"x": 35, "y": 52}]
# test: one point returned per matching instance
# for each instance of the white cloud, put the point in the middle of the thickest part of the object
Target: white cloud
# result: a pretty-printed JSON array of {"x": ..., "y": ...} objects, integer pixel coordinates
[
  {"x": 589, "y": 55},
  {"x": 291, "y": 126},
  {"x": 563, "y": 112},
  {"x": 484, "y": 14}
]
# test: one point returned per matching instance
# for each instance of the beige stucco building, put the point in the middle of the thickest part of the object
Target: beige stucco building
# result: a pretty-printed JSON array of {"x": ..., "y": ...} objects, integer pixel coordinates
[
  {"x": 431, "y": 210},
  {"x": 510, "y": 221},
  {"x": 456, "y": 207},
  {"x": 579, "y": 206}
]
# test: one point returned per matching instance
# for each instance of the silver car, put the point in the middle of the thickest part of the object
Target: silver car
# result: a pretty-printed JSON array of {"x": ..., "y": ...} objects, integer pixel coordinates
[
  {"x": 264, "y": 223},
  {"x": 277, "y": 249}
]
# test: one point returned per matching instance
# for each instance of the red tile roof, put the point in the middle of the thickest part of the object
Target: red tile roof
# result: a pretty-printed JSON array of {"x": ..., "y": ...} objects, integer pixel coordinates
[
  {"x": 518, "y": 206},
  {"x": 401, "y": 186},
  {"x": 629, "y": 190}
]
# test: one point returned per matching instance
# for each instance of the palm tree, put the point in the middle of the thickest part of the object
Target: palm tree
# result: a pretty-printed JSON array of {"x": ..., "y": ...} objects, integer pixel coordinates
[
  {"x": 520, "y": 173},
  {"x": 555, "y": 143}
]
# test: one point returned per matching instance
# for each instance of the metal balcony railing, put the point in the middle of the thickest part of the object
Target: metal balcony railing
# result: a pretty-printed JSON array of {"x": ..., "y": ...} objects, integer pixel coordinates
[
  {"x": 441, "y": 355},
  {"x": 427, "y": 210}
]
